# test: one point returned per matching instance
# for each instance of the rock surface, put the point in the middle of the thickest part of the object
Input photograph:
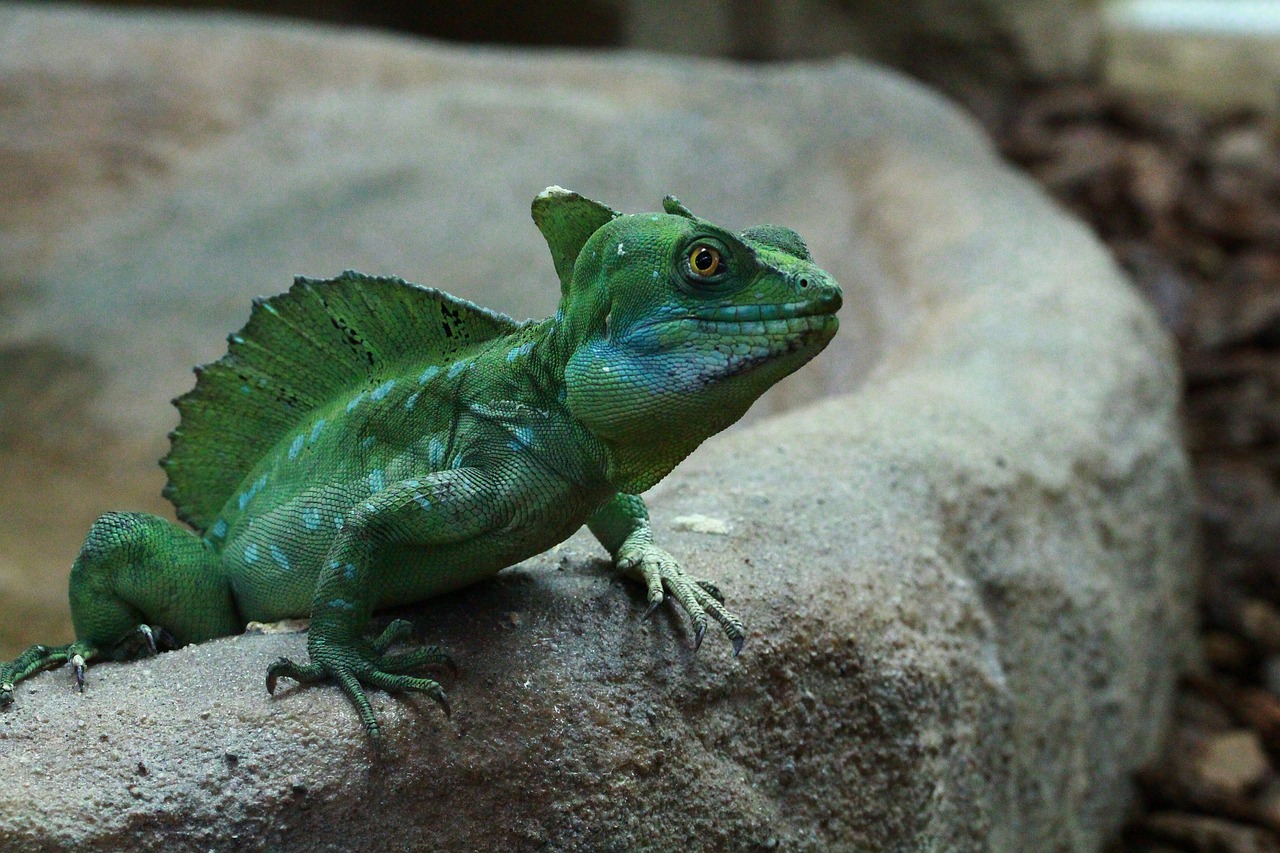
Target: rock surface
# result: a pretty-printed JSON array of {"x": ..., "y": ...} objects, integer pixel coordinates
[{"x": 968, "y": 582}]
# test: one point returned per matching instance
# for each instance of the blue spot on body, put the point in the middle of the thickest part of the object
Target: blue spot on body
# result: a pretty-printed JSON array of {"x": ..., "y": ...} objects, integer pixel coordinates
[
  {"x": 458, "y": 367},
  {"x": 367, "y": 442},
  {"x": 296, "y": 447},
  {"x": 247, "y": 496},
  {"x": 315, "y": 430},
  {"x": 379, "y": 393},
  {"x": 428, "y": 374},
  {"x": 251, "y": 552},
  {"x": 413, "y": 398},
  {"x": 516, "y": 352},
  {"x": 280, "y": 558},
  {"x": 338, "y": 522},
  {"x": 341, "y": 604},
  {"x": 355, "y": 402},
  {"x": 377, "y": 480},
  {"x": 311, "y": 518},
  {"x": 524, "y": 435},
  {"x": 457, "y": 462},
  {"x": 422, "y": 502},
  {"x": 349, "y": 571},
  {"x": 435, "y": 452},
  {"x": 246, "y": 389},
  {"x": 219, "y": 528}
]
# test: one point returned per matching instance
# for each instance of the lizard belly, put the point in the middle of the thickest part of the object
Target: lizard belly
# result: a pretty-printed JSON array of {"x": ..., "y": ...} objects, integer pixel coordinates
[{"x": 275, "y": 560}]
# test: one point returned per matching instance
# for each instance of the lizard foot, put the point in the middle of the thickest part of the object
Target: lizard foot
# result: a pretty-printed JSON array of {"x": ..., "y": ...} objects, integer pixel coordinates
[
  {"x": 41, "y": 657},
  {"x": 699, "y": 597},
  {"x": 352, "y": 670}
]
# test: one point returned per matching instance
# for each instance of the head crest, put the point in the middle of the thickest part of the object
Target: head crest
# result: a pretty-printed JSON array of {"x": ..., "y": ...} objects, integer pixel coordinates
[
  {"x": 567, "y": 221},
  {"x": 672, "y": 205}
]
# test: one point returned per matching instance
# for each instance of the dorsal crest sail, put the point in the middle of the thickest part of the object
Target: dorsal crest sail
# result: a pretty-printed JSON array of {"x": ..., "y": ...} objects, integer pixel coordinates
[{"x": 302, "y": 350}]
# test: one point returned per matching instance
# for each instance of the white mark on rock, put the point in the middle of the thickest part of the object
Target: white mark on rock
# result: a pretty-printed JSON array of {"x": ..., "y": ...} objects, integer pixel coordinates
[{"x": 701, "y": 524}]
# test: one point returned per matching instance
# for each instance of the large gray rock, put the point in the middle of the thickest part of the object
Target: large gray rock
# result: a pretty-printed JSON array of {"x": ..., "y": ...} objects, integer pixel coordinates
[{"x": 968, "y": 581}]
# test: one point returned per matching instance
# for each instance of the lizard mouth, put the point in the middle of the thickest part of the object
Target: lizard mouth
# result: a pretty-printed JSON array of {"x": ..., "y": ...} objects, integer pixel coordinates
[
  {"x": 784, "y": 320},
  {"x": 826, "y": 304}
]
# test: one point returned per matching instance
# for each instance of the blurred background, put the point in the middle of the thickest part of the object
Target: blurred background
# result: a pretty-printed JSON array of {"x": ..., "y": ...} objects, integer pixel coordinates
[{"x": 1218, "y": 53}]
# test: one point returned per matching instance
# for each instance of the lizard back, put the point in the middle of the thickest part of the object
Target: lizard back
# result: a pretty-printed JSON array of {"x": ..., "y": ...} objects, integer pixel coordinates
[{"x": 300, "y": 351}]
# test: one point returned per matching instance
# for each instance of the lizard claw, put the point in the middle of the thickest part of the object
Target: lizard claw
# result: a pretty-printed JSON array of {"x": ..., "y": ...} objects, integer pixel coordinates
[
  {"x": 653, "y": 607},
  {"x": 77, "y": 665},
  {"x": 150, "y": 637},
  {"x": 353, "y": 669},
  {"x": 700, "y": 598}
]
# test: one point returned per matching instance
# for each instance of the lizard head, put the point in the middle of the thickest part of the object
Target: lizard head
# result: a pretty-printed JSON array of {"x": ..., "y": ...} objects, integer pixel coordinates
[{"x": 678, "y": 325}]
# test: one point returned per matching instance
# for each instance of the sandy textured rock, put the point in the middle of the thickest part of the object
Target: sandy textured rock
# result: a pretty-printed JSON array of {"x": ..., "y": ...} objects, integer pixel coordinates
[{"x": 968, "y": 581}]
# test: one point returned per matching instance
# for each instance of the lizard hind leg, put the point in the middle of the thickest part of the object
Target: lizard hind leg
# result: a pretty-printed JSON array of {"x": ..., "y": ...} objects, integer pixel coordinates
[
  {"x": 41, "y": 657},
  {"x": 140, "y": 583}
]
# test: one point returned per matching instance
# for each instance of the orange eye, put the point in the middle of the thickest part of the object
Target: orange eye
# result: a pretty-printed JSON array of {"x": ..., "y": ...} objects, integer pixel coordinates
[{"x": 704, "y": 261}]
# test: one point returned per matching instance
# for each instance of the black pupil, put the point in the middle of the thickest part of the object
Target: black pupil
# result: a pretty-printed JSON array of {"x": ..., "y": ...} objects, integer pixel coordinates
[{"x": 704, "y": 261}]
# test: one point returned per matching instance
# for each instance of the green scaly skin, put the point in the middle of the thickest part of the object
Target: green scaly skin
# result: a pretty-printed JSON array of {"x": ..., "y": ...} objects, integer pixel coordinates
[{"x": 368, "y": 443}]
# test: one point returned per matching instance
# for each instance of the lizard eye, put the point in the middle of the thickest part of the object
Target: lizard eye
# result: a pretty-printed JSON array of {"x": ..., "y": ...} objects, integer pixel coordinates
[{"x": 705, "y": 261}]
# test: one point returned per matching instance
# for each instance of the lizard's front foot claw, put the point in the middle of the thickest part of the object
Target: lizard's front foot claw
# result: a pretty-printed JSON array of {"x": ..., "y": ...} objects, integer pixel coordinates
[{"x": 663, "y": 575}]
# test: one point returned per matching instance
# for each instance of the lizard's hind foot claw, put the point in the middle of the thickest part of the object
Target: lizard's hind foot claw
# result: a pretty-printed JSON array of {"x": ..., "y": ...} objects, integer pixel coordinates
[
  {"x": 301, "y": 673},
  {"x": 353, "y": 668}
]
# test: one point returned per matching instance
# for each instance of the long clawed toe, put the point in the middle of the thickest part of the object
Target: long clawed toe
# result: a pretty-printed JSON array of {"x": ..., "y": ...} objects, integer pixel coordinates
[
  {"x": 301, "y": 673},
  {"x": 353, "y": 669},
  {"x": 700, "y": 598}
]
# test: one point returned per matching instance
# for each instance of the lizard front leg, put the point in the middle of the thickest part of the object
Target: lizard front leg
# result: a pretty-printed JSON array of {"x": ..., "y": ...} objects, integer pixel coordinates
[
  {"x": 445, "y": 508},
  {"x": 622, "y": 526}
]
